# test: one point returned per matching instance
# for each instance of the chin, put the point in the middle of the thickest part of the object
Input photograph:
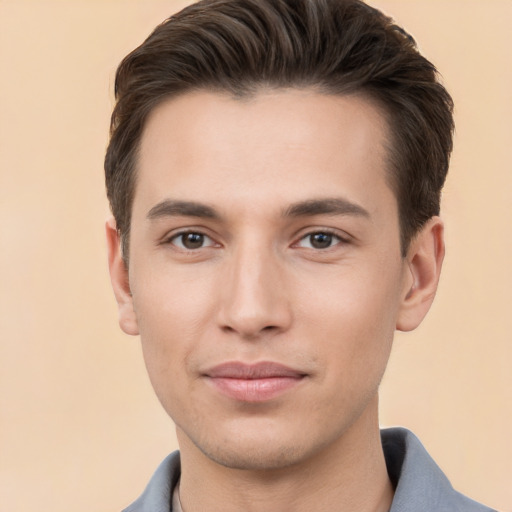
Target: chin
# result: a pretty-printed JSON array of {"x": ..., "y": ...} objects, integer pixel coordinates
[
  {"x": 255, "y": 456},
  {"x": 260, "y": 446}
]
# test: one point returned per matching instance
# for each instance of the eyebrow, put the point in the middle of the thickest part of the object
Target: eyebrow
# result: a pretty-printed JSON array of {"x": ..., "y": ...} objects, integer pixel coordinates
[
  {"x": 310, "y": 207},
  {"x": 327, "y": 206},
  {"x": 174, "y": 208}
]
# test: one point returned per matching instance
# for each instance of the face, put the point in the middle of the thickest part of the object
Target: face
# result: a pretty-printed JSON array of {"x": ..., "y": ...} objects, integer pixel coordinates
[{"x": 265, "y": 273}]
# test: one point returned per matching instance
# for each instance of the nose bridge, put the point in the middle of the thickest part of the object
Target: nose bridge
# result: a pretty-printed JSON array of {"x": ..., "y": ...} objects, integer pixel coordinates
[{"x": 254, "y": 296}]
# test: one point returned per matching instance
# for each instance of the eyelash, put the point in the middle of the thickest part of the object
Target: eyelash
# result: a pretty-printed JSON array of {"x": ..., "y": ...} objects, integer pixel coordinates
[
  {"x": 182, "y": 234},
  {"x": 326, "y": 232}
]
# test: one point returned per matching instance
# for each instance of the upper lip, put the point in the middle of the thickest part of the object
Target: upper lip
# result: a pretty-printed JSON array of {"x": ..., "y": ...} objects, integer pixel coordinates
[{"x": 261, "y": 370}]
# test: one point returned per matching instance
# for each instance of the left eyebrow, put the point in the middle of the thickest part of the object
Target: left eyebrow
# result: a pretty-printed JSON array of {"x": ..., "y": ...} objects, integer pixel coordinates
[
  {"x": 327, "y": 206},
  {"x": 173, "y": 208}
]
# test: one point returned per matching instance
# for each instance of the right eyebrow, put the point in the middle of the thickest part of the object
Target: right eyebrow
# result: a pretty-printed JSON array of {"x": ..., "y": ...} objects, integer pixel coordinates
[
  {"x": 174, "y": 208},
  {"x": 326, "y": 206}
]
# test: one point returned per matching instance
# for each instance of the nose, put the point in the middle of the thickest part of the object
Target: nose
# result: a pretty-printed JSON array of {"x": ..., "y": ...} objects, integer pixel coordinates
[{"x": 254, "y": 300}]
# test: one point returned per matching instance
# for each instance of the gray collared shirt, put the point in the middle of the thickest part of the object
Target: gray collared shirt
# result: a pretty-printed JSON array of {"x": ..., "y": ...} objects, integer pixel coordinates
[{"x": 420, "y": 484}]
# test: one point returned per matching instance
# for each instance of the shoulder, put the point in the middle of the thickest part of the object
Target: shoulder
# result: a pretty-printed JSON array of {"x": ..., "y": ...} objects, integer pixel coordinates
[
  {"x": 420, "y": 484},
  {"x": 157, "y": 496}
]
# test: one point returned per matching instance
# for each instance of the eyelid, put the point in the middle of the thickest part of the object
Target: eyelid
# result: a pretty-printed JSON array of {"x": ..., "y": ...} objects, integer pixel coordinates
[
  {"x": 343, "y": 237},
  {"x": 169, "y": 238}
]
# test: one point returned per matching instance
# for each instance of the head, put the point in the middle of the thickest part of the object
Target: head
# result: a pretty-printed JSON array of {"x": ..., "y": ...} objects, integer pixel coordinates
[
  {"x": 337, "y": 47},
  {"x": 274, "y": 172}
]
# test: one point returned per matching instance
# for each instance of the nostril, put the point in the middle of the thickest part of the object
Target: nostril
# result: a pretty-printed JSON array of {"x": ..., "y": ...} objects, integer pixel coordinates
[{"x": 250, "y": 333}]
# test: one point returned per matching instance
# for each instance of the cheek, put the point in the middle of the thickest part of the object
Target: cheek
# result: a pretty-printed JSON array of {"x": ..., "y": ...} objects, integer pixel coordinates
[
  {"x": 352, "y": 317},
  {"x": 172, "y": 313},
  {"x": 167, "y": 298}
]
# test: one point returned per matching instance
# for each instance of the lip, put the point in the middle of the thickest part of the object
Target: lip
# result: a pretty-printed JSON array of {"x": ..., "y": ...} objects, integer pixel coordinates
[{"x": 258, "y": 382}]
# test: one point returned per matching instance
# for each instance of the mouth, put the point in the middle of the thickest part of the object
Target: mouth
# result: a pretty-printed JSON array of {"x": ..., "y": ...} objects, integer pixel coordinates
[{"x": 258, "y": 382}]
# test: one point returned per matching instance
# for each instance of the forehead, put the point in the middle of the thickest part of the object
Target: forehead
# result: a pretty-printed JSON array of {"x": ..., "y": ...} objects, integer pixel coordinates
[{"x": 281, "y": 145}]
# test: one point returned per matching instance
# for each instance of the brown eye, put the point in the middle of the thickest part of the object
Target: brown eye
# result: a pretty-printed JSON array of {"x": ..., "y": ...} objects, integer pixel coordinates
[
  {"x": 191, "y": 241},
  {"x": 319, "y": 240}
]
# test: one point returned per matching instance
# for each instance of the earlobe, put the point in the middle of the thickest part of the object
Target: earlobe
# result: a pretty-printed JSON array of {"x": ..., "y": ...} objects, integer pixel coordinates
[
  {"x": 425, "y": 259},
  {"x": 120, "y": 280}
]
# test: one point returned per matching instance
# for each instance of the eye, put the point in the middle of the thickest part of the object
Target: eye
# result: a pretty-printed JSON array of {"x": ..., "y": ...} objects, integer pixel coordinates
[
  {"x": 191, "y": 240},
  {"x": 319, "y": 240}
]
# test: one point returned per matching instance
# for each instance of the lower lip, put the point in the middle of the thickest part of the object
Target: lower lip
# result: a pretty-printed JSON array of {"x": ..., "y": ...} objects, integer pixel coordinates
[{"x": 254, "y": 390}]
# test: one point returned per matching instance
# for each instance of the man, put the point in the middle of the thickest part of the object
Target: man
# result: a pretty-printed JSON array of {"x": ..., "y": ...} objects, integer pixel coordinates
[{"x": 274, "y": 173}]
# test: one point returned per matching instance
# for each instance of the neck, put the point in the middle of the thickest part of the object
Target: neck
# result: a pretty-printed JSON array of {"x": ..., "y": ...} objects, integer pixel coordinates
[{"x": 347, "y": 475}]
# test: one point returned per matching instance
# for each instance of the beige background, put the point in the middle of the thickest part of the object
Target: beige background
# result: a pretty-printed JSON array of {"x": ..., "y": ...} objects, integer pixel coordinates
[{"x": 79, "y": 427}]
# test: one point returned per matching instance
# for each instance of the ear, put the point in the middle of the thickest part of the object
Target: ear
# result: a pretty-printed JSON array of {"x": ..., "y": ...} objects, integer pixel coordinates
[
  {"x": 120, "y": 280},
  {"x": 425, "y": 259}
]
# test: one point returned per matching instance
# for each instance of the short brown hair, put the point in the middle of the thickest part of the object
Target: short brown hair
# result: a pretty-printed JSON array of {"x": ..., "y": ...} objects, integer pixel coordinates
[{"x": 336, "y": 46}]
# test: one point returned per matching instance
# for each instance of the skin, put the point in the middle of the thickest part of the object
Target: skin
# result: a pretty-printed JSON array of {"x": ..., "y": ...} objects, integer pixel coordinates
[{"x": 256, "y": 285}]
